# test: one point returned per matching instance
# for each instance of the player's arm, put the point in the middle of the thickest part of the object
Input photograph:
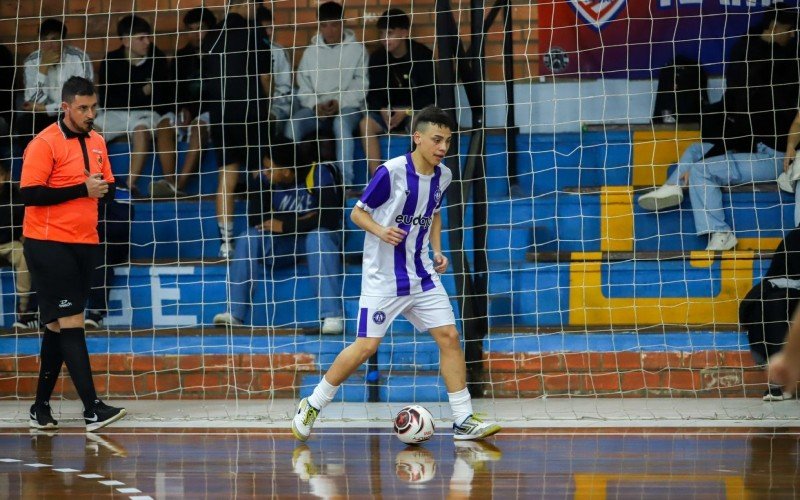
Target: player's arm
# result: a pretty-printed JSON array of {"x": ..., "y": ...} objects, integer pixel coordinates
[
  {"x": 391, "y": 235},
  {"x": 440, "y": 262},
  {"x": 784, "y": 367}
]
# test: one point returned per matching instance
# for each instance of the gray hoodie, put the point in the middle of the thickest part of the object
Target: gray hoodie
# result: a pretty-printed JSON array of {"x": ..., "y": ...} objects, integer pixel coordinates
[{"x": 329, "y": 72}]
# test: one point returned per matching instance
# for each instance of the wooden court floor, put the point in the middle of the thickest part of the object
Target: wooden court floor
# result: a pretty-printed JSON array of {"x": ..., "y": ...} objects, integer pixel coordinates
[{"x": 371, "y": 463}]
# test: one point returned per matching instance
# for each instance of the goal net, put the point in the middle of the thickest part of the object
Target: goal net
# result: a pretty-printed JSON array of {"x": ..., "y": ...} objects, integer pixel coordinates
[{"x": 568, "y": 275}]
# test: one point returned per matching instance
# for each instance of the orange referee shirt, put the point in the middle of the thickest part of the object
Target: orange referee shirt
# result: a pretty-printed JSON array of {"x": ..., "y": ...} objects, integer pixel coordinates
[{"x": 59, "y": 157}]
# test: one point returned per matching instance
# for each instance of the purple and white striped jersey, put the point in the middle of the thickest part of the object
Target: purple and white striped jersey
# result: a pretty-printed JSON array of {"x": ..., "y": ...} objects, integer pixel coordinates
[{"x": 399, "y": 196}]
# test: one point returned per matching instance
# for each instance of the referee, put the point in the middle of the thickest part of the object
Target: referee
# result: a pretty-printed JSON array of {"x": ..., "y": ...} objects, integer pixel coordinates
[{"x": 65, "y": 173}]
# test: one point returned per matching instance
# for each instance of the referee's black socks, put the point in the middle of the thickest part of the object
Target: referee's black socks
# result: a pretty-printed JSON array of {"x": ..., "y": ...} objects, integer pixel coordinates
[
  {"x": 50, "y": 361},
  {"x": 76, "y": 356}
]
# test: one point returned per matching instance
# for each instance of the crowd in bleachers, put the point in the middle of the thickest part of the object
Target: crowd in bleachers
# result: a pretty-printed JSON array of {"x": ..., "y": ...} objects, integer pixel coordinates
[{"x": 231, "y": 89}]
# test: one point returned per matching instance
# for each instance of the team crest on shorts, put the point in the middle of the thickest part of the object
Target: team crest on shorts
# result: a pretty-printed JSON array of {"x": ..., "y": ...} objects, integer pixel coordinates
[{"x": 379, "y": 317}]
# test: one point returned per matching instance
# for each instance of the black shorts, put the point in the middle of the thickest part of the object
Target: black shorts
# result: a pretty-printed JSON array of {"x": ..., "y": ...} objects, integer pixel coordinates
[{"x": 61, "y": 276}]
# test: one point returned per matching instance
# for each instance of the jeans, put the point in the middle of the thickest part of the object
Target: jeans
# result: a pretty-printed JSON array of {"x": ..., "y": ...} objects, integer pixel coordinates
[
  {"x": 305, "y": 121},
  {"x": 259, "y": 252},
  {"x": 706, "y": 176}
]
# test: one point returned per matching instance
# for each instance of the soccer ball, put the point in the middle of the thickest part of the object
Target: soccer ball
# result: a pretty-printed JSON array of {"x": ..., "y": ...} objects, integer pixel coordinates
[{"x": 414, "y": 424}]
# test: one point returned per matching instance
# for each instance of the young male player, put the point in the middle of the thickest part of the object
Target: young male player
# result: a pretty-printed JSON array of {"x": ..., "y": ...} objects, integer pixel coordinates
[{"x": 400, "y": 213}]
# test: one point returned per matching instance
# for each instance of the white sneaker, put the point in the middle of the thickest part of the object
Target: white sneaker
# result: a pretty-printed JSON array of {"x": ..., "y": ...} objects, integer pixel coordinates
[
  {"x": 719, "y": 242},
  {"x": 332, "y": 326},
  {"x": 226, "y": 319},
  {"x": 668, "y": 195},
  {"x": 303, "y": 420},
  {"x": 226, "y": 250},
  {"x": 474, "y": 428}
]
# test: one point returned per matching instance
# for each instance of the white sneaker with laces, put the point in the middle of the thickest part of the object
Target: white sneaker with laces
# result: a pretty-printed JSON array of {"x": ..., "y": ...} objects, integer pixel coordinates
[
  {"x": 332, "y": 326},
  {"x": 667, "y": 196},
  {"x": 720, "y": 242},
  {"x": 226, "y": 250},
  {"x": 226, "y": 319},
  {"x": 304, "y": 419},
  {"x": 474, "y": 428}
]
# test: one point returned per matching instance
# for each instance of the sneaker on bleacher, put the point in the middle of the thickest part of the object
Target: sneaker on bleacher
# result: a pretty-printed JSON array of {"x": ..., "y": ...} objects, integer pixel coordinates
[
  {"x": 332, "y": 326},
  {"x": 720, "y": 242},
  {"x": 93, "y": 320},
  {"x": 164, "y": 189},
  {"x": 776, "y": 394},
  {"x": 667, "y": 196},
  {"x": 226, "y": 319},
  {"x": 27, "y": 321},
  {"x": 226, "y": 250}
]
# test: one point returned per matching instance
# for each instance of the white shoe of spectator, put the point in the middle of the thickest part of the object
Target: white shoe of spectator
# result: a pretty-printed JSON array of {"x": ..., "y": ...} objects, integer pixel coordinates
[
  {"x": 332, "y": 326},
  {"x": 226, "y": 319},
  {"x": 226, "y": 250},
  {"x": 668, "y": 195},
  {"x": 719, "y": 242}
]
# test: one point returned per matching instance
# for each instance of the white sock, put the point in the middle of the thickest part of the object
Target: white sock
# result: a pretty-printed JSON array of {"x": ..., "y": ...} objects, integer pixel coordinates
[
  {"x": 461, "y": 405},
  {"x": 225, "y": 232},
  {"x": 323, "y": 394}
]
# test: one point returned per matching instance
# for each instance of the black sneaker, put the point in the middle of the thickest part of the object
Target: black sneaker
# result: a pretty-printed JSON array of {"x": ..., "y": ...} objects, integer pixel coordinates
[
  {"x": 93, "y": 320},
  {"x": 27, "y": 321},
  {"x": 101, "y": 415},
  {"x": 42, "y": 417},
  {"x": 776, "y": 394}
]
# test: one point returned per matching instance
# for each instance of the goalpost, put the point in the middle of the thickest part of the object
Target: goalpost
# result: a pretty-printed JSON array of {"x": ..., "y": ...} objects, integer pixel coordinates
[{"x": 563, "y": 285}]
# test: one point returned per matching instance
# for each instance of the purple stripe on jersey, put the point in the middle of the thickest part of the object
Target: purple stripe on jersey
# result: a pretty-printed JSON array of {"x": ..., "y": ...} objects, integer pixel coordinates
[
  {"x": 362, "y": 322},
  {"x": 412, "y": 188},
  {"x": 427, "y": 282},
  {"x": 378, "y": 190}
]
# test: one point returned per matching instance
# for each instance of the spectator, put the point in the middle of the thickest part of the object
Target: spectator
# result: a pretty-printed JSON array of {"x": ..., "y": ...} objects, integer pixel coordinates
[
  {"x": 45, "y": 72},
  {"x": 237, "y": 84},
  {"x": 752, "y": 121},
  {"x": 767, "y": 308},
  {"x": 331, "y": 85},
  {"x": 192, "y": 120},
  {"x": 296, "y": 209},
  {"x": 7, "y": 70},
  {"x": 136, "y": 94},
  {"x": 281, "y": 105},
  {"x": 11, "y": 213},
  {"x": 114, "y": 230},
  {"x": 401, "y": 79}
]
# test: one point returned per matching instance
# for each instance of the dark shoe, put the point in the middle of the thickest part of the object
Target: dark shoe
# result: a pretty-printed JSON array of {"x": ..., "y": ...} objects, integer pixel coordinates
[
  {"x": 27, "y": 321},
  {"x": 93, "y": 320},
  {"x": 101, "y": 415},
  {"x": 776, "y": 394},
  {"x": 41, "y": 417}
]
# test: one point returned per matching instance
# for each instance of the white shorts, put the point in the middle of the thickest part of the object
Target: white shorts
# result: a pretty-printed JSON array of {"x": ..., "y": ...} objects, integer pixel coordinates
[
  {"x": 424, "y": 310},
  {"x": 116, "y": 123}
]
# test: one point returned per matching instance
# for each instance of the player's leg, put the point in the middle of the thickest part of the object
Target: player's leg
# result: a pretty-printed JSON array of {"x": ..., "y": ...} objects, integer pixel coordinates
[
  {"x": 432, "y": 311},
  {"x": 375, "y": 316}
]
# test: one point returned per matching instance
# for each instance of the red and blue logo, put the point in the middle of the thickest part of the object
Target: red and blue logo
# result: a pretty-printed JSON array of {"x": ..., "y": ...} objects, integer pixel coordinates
[{"x": 597, "y": 13}]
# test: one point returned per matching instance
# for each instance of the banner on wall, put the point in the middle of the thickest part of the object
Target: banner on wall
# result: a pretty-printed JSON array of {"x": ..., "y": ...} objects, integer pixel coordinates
[{"x": 635, "y": 38}]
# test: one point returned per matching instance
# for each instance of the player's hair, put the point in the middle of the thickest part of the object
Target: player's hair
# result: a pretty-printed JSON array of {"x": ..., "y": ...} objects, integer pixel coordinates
[
  {"x": 200, "y": 15},
  {"x": 263, "y": 14},
  {"x": 50, "y": 26},
  {"x": 330, "y": 11},
  {"x": 431, "y": 115},
  {"x": 76, "y": 85},
  {"x": 132, "y": 25},
  {"x": 285, "y": 155},
  {"x": 394, "y": 19}
]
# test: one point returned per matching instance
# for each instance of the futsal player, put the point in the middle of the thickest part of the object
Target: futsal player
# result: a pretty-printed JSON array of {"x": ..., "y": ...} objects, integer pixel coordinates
[
  {"x": 65, "y": 174},
  {"x": 400, "y": 211}
]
